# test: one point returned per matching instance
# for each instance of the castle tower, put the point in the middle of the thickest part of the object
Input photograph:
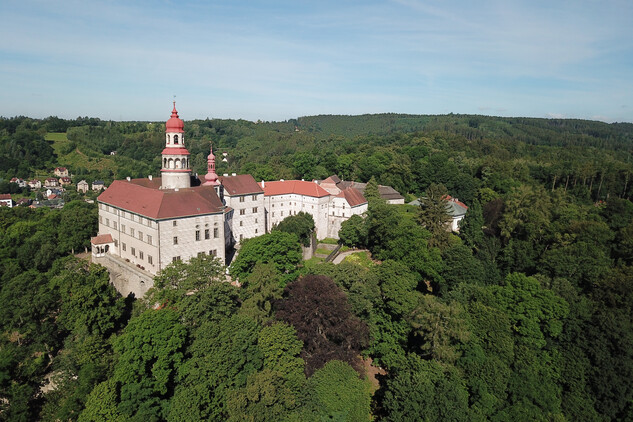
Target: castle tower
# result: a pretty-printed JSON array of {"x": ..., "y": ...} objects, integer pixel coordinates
[
  {"x": 176, "y": 169},
  {"x": 211, "y": 178}
]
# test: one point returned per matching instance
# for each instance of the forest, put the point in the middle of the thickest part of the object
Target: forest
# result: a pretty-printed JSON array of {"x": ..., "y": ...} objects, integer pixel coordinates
[{"x": 525, "y": 314}]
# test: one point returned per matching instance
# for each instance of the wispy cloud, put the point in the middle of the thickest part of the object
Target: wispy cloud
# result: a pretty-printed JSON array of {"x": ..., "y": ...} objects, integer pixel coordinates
[{"x": 287, "y": 58}]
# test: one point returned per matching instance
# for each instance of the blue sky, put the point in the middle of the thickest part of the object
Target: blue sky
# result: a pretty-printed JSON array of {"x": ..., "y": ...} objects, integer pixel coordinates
[{"x": 275, "y": 60}]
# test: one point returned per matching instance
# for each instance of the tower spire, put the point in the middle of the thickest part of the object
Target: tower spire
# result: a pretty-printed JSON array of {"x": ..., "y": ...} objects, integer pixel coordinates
[{"x": 211, "y": 178}]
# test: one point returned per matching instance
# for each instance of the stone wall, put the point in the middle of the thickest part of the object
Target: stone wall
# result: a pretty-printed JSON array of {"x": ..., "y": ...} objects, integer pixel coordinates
[{"x": 125, "y": 277}]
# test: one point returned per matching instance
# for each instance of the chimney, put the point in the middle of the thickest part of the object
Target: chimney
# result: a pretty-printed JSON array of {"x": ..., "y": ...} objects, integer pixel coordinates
[
  {"x": 281, "y": 180},
  {"x": 233, "y": 174},
  {"x": 262, "y": 183},
  {"x": 225, "y": 175},
  {"x": 149, "y": 177},
  {"x": 128, "y": 178},
  {"x": 303, "y": 180}
]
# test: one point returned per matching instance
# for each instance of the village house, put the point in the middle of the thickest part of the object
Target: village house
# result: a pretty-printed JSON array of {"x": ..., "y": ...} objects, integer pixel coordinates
[
  {"x": 454, "y": 208},
  {"x": 82, "y": 186},
  {"x": 35, "y": 184},
  {"x": 65, "y": 180},
  {"x": 98, "y": 185},
  {"x": 20, "y": 182},
  {"x": 61, "y": 172},
  {"x": 51, "y": 182},
  {"x": 5, "y": 200}
]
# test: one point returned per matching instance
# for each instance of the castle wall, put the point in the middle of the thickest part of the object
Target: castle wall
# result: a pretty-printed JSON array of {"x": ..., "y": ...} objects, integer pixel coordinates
[
  {"x": 125, "y": 277},
  {"x": 178, "y": 239},
  {"x": 248, "y": 215},
  {"x": 135, "y": 236}
]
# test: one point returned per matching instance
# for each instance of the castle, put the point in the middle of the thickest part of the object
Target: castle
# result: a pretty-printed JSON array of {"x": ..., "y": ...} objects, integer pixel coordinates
[{"x": 145, "y": 224}]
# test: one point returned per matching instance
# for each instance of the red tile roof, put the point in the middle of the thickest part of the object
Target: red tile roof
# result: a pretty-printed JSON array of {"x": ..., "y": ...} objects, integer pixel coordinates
[
  {"x": 458, "y": 202},
  {"x": 141, "y": 197},
  {"x": 241, "y": 184},
  {"x": 175, "y": 151},
  {"x": 294, "y": 186},
  {"x": 353, "y": 197},
  {"x": 102, "y": 239},
  {"x": 5, "y": 196},
  {"x": 332, "y": 179}
]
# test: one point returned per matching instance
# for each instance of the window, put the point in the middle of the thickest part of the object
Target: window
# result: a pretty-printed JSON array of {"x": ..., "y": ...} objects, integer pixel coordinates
[
  {"x": 255, "y": 230},
  {"x": 176, "y": 139},
  {"x": 150, "y": 260},
  {"x": 241, "y": 223},
  {"x": 255, "y": 221},
  {"x": 216, "y": 233},
  {"x": 133, "y": 252},
  {"x": 282, "y": 213},
  {"x": 207, "y": 235},
  {"x": 123, "y": 246},
  {"x": 131, "y": 232},
  {"x": 273, "y": 213},
  {"x": 213, "y": 252},
  {"x": 254, "y": 197},
  {"x": 116, "y": 243},
  {"x": 242, "y": 199},
  {"x": 241, "y": 237},
  {"x": 140, "y": 235},
  {"x": 107, "y": 221},
  {"x": 197, "y": 235},
  {"x": 174, "y": 223},
  {"x": 114, "y": 225},
  {"x": 242, "y": 211},
  {"x": 140, "y": 254},
  {"x": 254, "y": 210},
  {"x": 176, "y": 258},
  {"x": 101, "y": 219},
  {"x": 123, "y": 228},
  {"x": 175, "y": 240},
  {"x": 149, "y": 239}
]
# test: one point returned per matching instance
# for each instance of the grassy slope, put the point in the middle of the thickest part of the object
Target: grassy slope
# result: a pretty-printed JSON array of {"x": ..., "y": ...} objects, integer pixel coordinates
[{"x": 76, "y": 158}]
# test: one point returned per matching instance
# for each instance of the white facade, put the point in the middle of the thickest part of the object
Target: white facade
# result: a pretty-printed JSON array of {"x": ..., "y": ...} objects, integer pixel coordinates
[
  {"x": 153, "y": 244},
  {"x": 279, "y": 207},
  {"x": 248, "y": 218},
  {"x": 340, "y": 210}
]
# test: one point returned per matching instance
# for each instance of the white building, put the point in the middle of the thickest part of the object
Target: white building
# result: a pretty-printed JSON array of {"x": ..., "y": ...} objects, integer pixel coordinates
[
  {"x": 5, "y": 200},
  {"x": 288, "y": 197},
  {"x": 155, "y": 221},
  {"x": 145, "y": 224}
]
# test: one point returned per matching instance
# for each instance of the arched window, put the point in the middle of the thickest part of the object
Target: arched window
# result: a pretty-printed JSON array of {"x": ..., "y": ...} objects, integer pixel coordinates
[
  {"x": 107, "y": 247},
  {"x": 176, "y": 139},
  {"x": 164, "y": 163},
  {"x": 177, "y": 163},
  {"x": 168, "y": 139},
  {"x": 171, "y": 163}
]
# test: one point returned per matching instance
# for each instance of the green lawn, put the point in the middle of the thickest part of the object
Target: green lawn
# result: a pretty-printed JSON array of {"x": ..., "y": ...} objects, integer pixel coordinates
[
  {"x": 329, "y": 241},
  {"x": 323, "y": 251},
  {"x": 360, "y": 258}
]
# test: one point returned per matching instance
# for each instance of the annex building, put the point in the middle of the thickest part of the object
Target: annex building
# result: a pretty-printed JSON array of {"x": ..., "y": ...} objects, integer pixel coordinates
[{"x": 145, "y": 224}]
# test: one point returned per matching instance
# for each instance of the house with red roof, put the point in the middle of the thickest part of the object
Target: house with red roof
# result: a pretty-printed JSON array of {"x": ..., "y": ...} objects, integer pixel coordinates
[
  {"x": 61, "y": 172},
  {"x": 51, "y": 182},
  {"x": 5, "y": 200}
]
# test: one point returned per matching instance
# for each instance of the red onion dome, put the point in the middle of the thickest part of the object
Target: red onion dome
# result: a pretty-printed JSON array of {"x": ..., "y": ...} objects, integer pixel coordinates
[{"x": 174, "y": 124}]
